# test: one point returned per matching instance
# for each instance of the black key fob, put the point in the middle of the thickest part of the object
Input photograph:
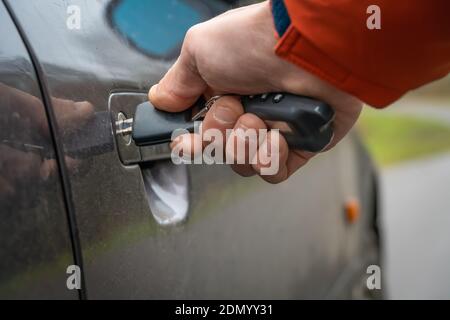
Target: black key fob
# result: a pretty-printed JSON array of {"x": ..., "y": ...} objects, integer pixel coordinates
[{"x": 306, "y": 123}]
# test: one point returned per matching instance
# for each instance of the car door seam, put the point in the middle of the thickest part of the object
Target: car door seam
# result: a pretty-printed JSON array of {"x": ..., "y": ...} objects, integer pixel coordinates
[{"x": 65, "y": 183}]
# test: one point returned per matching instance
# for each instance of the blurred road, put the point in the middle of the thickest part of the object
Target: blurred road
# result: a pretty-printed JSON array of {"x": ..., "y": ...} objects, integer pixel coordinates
[
  {"x": 416, "y": 218},
  {"x": 416, "y": 224}
]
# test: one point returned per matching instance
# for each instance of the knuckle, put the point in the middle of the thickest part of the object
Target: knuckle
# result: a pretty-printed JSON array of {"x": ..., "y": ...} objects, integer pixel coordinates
[
  {"x": 243, "y": 170},
  {"x": 272, "y": 180},
  {"x": 193, "y": 30},
  {"x": 278, "y": 178},
  {"x": 192, "y": 35}
]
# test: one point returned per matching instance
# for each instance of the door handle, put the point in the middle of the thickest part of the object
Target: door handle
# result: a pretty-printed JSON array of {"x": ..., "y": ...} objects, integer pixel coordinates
[
  {"x": 167, "y": 192},
  {"x": 166, "y": 184}
]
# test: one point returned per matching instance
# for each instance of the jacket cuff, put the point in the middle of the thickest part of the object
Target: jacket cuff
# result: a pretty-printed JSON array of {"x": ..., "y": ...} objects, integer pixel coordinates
[
  {"x": 280, "y": 16},
  {"x": 298, "y": 50}
]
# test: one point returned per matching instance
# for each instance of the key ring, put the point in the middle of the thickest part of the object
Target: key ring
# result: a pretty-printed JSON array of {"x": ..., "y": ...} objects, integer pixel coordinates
[
  {"x": 209, "y": 104},
  {"x": 212, "y": 100}
]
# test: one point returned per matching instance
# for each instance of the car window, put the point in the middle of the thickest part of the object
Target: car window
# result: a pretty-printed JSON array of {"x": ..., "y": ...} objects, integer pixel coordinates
[{"x": 158, "y": 27}]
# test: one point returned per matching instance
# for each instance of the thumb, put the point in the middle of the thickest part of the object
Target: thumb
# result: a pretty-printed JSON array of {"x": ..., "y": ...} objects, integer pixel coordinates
[{"x": 179, "y": 88}]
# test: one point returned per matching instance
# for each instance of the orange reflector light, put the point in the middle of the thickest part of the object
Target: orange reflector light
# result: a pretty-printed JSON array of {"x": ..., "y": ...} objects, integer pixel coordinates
[{"x": 352, "y": 210}]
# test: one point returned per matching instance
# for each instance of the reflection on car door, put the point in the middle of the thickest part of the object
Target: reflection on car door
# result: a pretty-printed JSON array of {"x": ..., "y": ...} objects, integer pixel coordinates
[{"x": 35, "y": 243}]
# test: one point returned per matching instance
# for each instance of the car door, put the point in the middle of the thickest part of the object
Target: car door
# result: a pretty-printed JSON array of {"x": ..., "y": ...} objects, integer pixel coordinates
[
  {"x": 35, "y": 235},
  {"x": 157, "y": 230}
]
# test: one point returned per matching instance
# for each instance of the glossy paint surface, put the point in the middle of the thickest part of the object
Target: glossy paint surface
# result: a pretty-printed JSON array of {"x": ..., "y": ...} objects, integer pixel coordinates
[
  {"x": 35, "y": 247},
  {"x": 242, "y": 238}
]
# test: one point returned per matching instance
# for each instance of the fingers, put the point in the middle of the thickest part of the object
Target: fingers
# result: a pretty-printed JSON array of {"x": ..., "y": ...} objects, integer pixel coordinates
[
  {"x": 26, "y": 105},
  {"x": 182, "y": 85},
  {"x": 242, "y": 139},
  {"x": 271, "y": 160},
  {"x": 223, "y": 115},
  {"x": 72, "y": 115},
  {"x": 246, "y": 140},
  {"x": 48, "y": 168}
]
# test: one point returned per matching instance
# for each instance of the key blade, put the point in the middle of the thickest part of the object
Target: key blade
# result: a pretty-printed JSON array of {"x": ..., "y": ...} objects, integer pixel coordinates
[{"x": 124, "y": 127}]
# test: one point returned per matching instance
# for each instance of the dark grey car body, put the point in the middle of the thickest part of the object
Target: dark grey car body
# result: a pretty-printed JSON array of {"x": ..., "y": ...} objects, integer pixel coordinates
[{"x": 242, "y": 238}]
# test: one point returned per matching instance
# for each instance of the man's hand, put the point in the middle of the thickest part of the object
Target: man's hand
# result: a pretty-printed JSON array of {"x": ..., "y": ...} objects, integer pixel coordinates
[
  {"x": 17, "y": 166},
  {"x": 234, "y": 53}
]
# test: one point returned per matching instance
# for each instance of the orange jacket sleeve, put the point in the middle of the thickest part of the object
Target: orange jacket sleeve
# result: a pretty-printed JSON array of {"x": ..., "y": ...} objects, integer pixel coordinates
[{"x": 330, "y": 38}]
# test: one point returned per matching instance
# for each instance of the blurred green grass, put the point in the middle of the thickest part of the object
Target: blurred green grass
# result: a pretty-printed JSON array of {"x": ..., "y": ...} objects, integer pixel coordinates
[{"x": 394, "y": 138}]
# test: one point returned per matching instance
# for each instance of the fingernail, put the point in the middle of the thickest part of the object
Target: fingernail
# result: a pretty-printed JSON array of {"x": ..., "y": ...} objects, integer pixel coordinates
[{"x": 224, "y": 115}]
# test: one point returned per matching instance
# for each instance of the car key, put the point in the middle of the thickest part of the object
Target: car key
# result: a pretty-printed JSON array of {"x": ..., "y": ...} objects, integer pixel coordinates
[{"x": 306, "y": 123}]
